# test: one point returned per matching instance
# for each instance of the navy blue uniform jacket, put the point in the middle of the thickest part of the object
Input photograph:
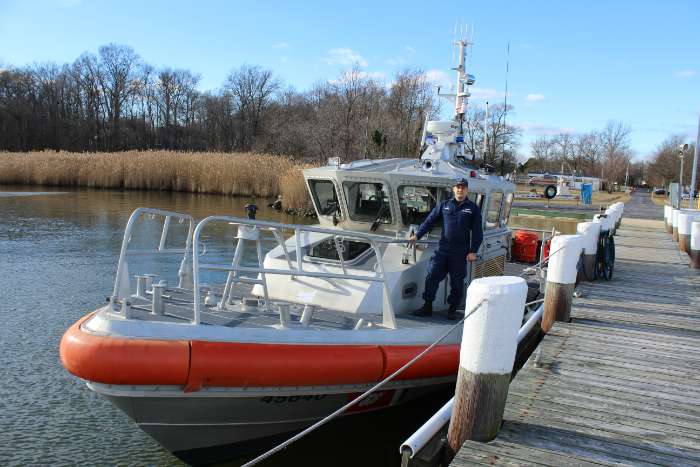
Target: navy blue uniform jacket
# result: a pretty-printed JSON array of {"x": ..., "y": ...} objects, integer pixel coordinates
[{"x": 461, "y": 226}]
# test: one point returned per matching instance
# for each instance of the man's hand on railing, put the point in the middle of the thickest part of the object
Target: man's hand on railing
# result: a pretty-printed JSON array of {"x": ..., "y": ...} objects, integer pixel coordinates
[
  {"x": 471, "y": 257},
  {"x": 412, "y": 240}
]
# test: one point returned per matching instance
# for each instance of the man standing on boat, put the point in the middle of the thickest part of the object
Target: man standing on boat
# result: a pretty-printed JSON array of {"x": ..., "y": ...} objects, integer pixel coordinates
[{"x": 460, "y": 240}]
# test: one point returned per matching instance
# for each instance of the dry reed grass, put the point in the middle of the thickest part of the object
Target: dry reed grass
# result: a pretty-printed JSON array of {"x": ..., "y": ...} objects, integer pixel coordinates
[{"x": 246, "y": 174}]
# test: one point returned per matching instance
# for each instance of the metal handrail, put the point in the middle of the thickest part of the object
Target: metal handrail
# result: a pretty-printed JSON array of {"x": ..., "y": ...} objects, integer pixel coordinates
[
  {"x": 122, "y": 265},
  {"x": 388, "y": 316}
]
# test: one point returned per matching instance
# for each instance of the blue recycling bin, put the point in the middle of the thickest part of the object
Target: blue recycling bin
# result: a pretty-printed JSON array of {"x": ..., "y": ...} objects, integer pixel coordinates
[{"x": 587, "y": 193}]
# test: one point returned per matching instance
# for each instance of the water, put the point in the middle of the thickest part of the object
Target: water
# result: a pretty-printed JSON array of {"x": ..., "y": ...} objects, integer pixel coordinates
[{"x": 58, "y": 256}]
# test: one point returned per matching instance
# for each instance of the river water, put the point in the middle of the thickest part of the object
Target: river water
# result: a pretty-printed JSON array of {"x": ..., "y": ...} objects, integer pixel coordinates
[{"x": 58, "y": 257}]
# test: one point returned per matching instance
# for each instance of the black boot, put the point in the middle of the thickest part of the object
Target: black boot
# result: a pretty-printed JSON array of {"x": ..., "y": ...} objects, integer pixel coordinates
[
  {"x": 427, "y": 310},
  {"x": 452, "y": 312}
]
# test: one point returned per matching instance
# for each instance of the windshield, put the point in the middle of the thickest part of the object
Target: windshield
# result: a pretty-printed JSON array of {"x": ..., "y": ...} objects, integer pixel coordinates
[
  {"x": 368, "y": 202},
  {"x": 416, "y": 202},
  {"x": 324, "y": 196}
]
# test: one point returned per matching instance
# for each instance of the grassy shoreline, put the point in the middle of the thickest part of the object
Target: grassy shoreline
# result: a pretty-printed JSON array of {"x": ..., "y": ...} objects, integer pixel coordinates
[{"x": 233, "y": 174}]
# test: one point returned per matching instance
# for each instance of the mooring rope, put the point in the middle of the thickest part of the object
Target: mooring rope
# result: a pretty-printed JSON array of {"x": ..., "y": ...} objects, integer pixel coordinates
[
  {"x": 543, "y": 260},
  {"x": 364, "y": 394}
]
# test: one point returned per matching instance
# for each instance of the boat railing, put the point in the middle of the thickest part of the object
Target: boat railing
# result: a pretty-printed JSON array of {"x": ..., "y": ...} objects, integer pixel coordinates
[
  {"x": 250, "y": 230},
  {"x": 121, "y": 292}
]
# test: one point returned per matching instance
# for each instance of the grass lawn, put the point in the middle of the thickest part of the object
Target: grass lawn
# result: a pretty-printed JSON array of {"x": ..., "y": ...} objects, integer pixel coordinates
[{"x": 599, "y": 197}]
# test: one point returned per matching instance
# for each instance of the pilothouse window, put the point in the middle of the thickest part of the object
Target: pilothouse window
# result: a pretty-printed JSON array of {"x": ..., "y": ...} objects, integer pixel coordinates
[
  {"x": 325, "y": 197},
  {"x": 506, "y": 207},
  {"x": 492, "y": 215},
  {"x": 368, "y": 202},
  {"x": 416, "y": 202}
]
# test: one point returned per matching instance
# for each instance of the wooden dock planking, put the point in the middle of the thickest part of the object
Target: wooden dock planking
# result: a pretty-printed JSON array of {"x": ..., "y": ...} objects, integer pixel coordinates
[{"x": 620, "y": 385}]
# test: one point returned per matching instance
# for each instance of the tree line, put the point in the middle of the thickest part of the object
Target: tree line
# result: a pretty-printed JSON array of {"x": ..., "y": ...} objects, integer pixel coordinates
[
  {"x": 114, "y": 101},
  {"x": 604, "y": 153},
  {"x": 665, "y": 164}
]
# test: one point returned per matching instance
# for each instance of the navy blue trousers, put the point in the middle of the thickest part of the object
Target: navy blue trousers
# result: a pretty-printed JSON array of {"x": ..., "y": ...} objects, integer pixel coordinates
[{"x": 441, "y": 264}]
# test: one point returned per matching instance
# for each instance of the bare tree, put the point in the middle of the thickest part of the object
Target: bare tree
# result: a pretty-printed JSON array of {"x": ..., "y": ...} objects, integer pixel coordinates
[
  {"x": 665, "y": 165},
  {"x": 409, "y": 104},
  {"x": 250, "y": 90},
  {"x": 118, "y": 67},
  {"x": 542, "y": 150}
]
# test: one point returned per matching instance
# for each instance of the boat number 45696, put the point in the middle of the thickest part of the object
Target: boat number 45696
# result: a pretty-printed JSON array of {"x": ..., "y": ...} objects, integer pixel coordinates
[{"x": 280, "y": 399}]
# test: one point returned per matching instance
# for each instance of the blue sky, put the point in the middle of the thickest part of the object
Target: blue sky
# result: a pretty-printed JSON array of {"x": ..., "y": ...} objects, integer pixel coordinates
[{"x": 573, "y": 65}]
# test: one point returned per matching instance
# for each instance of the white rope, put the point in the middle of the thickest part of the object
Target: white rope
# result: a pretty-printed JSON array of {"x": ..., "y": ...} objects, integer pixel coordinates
[
  {"x": 546, "y": 259},
  {"x": 363, "y": 395}
]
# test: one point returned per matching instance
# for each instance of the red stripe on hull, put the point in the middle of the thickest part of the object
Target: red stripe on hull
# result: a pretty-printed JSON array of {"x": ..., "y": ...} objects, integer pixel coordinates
[
  {"x": 117, "y": 360},
  {"x": 195, "y": 364}
]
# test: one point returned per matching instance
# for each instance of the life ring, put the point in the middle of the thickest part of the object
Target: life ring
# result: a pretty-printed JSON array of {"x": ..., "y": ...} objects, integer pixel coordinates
[{"x": 550, "y": 191}]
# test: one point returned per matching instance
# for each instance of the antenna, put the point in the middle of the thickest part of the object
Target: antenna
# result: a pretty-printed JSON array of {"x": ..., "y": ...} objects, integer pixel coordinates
[{"x": 505, "y": 107}]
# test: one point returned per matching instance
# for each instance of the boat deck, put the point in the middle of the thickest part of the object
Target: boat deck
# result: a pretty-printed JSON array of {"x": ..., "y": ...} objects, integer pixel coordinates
[
  {"x": 178, "y": 307},
  {"x": 621, "y": 383}
]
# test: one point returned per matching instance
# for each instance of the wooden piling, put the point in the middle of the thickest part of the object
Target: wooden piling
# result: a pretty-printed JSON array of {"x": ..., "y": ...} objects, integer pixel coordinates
[
  {"x": 695, "y": 244},
  {"x": 668, "y": 212},
  {"x": 489, "y": 343},
  {"x": 561, "y": 279},
  {"x": 589, "y": 231},
  {"x": 674, "y": 224},
  {"x": 684, "y": 220}
]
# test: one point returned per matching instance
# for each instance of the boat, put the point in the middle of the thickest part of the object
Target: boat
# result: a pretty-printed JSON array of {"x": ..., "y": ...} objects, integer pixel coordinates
[{"x": 223, "y": 336}]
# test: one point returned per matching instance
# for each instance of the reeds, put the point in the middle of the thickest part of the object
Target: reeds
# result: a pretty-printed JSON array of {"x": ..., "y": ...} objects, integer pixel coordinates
[{"x": 246, "y": 174}]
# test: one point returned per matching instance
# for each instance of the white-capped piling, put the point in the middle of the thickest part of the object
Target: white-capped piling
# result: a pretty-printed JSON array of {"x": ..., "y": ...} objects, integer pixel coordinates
[
  {"x": 674, "y": 223},
  {"x": 589, "y": 232},
  {"x": 621, "y": 208},
  {"x": 487, "y": 354},
  {"x": 684, "y": 221},
  {"x": 612, "y": 214},
  {"x": 618, "y": 208},
  {"x": 668, "y": 212},
  {"x": 603, "y": 220},
  {"x": 695, "y": 244},
  {"x": 561, "y": 279}
]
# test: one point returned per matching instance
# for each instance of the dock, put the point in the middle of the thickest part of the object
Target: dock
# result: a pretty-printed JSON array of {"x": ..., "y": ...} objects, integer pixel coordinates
[{"x": 620, "y": 384}]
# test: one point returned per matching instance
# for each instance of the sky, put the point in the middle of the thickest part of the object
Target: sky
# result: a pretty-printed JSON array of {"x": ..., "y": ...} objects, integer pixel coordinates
[{"x": 573, "y": 66}]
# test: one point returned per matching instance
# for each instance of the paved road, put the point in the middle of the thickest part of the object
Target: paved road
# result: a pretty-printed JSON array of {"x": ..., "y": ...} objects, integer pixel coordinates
[
  {"x": 640, "y": 206},
  {"x": 555, "y": 207}
]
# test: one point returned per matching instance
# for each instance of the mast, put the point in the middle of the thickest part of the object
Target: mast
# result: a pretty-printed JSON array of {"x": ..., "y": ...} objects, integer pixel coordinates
[{"x": 450, "y": 134}]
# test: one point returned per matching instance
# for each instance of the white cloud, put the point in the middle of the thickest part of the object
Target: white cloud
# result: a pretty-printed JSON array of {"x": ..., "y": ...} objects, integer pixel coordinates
[
  {"x": 396, "y": 61},
  {"x": 409, "y": 49},
  {"x": 345, "y": 56},
  {"x": 486, "y": 93},
  {"x": 438, "y": 77},
  {"x": 284, "y": 59},
  {"x": 544, "y": 130},
  {"x": 280, "y": 45},
  {"x": 375, "y": 75},
  {"x": 534, "y": 97},
  {"x": 685, "y": 73}
]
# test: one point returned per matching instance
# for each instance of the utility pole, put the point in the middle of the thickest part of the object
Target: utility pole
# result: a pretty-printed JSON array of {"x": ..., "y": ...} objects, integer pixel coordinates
[
  {"x": 695, "y": 163},
  {"x": 486, "y": 131},
  {"x": 681, "y": 153}
]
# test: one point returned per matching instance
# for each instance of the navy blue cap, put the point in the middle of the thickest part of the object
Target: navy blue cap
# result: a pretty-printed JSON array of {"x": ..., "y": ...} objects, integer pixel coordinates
[{"x": 461, "y": 181}]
